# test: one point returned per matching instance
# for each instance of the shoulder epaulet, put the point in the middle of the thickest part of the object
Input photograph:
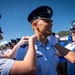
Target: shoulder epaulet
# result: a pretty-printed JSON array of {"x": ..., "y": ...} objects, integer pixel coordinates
[{"x": 24, "y": 45}]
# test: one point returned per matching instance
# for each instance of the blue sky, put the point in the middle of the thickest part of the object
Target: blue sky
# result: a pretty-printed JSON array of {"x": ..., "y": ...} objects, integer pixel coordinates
[{"x": 14, "y": 13}]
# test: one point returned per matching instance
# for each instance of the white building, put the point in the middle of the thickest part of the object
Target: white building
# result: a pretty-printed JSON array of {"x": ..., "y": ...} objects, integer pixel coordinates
[{"x": 64, "y": 38}]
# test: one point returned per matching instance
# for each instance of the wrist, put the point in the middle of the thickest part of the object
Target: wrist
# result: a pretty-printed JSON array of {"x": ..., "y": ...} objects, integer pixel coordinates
[
  {"x": 31, "y": 41},
  {"x": 17, "y": 46}
]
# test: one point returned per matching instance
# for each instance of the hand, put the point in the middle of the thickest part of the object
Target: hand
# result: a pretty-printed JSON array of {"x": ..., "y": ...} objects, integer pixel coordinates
[
  {"x": 33, "y": 39},
  {"x": 23, "y": 40},
  {"x": 53, "y": 40}
]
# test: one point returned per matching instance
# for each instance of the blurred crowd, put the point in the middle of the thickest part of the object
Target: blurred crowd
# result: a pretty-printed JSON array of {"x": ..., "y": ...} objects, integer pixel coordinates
[{"x": 5, "y": 48}]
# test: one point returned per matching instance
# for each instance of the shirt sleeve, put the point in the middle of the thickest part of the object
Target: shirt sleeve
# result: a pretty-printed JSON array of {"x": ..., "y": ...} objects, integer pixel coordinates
[
  {"x": 21, "y": 53},
  {"x": 5, "y": 66}
]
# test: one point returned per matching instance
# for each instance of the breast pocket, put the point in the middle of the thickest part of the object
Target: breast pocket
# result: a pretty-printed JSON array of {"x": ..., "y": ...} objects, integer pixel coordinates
[
  {"x": 41, "y": 60},
  {"x": 42, "y": 65},
  {"x": 55, "y": 59}
]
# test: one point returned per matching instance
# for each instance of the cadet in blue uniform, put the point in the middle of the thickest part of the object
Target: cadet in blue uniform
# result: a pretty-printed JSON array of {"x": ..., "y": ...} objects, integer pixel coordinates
[
  {"x": 40, "y": 20},
  {"x": 62, "y": 65},
  {"x": 69, "y": 39},
  {"x": 13, "y": 42},
  {"x": 71, "y": 46}
]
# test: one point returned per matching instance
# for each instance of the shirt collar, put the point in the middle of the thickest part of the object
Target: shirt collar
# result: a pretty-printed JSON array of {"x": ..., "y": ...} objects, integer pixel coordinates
[
  {"x": 39, "y": 44},
  {"x": 72, "y": 44},
  {"x": 48, "y": 45}
]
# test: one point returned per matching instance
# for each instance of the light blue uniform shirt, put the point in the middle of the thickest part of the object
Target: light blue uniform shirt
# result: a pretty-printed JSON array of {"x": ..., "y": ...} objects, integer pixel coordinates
[
  {"x": 71, "y": 66},
  {"x": 5, "y": 66},
  {"x": 21, "y": 52},
  {"x": 47, "y": 59}
]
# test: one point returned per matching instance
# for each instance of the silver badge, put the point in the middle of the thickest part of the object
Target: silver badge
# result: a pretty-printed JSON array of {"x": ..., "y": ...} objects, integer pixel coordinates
[{"x": 48, "y": 11}]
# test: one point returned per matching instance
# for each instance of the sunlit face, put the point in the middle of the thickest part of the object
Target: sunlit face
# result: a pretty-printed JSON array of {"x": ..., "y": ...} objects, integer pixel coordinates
[
  {"x": 45, "y": 27},
  {"x": 73, "y": 36}
]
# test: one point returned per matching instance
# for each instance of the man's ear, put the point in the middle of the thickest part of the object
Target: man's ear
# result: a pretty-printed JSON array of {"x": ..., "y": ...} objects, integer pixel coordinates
[{"x": 35, "y": 25}]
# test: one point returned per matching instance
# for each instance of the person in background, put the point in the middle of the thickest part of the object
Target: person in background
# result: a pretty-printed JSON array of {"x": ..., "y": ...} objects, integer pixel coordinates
[
  {"x": 13, "y": 42},
  {"x": 7, "y": 48},
  {"x": 1, "y": 32},
  {"x": 53, "y": 34},
  {"x": 0, "y": 50},
  {"x": 18, "y": 39},
  {"x": 70, "y": 38},
  {"x": 27, "y": 66},
  {"x": 10, "y": 46},
  {"x": 67, "y": 53},
  {"x": 3, "y": 49},
  {"x": 62, "y": 65},
  {"x": 71, "y": 46}
]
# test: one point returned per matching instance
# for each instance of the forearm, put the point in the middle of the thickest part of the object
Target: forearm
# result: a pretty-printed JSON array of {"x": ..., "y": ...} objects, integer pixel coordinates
[
  {"x": 31, "y": 57},
  {"x": 62, "y": 50},
  {"x": 29, "y": 64},
  {"x": 68, "y": 54}
]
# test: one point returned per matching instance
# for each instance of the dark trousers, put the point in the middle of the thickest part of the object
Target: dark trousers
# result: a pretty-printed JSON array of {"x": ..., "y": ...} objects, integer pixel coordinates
[{"x": 62, "y": 68}]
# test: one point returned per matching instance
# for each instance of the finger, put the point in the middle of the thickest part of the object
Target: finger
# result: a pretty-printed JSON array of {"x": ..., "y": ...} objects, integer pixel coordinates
[{"x": 25, "y": 37}]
